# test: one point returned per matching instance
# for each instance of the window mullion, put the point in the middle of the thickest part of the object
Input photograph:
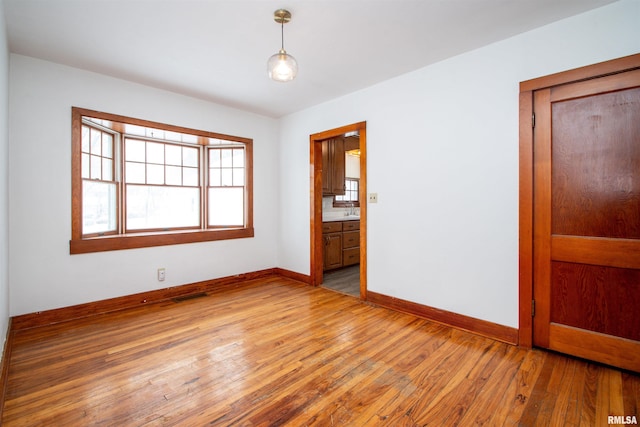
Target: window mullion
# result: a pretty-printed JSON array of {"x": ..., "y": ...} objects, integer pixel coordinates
[
  {"x": 204, "y": 185},
  {"x": 119, "y": 166}
]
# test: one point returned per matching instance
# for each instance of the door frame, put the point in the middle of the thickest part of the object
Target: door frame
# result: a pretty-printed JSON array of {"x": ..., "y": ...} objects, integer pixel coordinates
[
  {"x": 315, "y": 163},
  {"x": 526, "y": 133}
]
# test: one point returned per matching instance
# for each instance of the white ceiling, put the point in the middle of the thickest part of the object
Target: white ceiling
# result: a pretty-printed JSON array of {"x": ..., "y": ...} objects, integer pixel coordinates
[{"x": 217, "y": 50}]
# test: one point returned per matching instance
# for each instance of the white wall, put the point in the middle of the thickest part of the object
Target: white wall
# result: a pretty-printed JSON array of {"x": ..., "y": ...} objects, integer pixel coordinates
[
  {"x": 4, "y": 179},
  {"x": 442, "y": 147},
  {"x": 42, "y": 273}
]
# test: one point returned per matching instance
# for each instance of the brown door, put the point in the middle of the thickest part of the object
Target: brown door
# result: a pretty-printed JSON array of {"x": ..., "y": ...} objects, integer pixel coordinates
[{"x": 586, "y": 219}]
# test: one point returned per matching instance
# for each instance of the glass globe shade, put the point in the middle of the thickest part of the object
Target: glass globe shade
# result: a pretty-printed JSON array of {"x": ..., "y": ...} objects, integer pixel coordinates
[{"x": 282, "y": 67}]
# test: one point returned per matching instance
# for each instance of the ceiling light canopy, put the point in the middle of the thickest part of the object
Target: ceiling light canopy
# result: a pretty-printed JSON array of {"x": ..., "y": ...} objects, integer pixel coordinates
[{"x": 282, "y": 67}]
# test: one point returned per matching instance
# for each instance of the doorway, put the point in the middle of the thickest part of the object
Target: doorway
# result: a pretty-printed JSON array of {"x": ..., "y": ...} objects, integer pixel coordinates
[
  {"x": 580, "y": 212},
  {"x": 316, "y": 201}
]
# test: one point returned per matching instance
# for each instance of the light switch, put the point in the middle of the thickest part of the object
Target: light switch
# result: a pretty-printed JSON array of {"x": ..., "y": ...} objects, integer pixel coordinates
[{"x": 373, "y": 197}]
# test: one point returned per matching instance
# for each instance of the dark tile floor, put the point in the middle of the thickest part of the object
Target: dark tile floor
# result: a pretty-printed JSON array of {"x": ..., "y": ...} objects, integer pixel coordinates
[{"x": 345, "y": 280}]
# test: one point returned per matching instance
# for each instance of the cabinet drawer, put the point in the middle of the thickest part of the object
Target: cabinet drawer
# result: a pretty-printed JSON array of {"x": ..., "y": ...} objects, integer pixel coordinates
[
  {"x": 350, "y": 225},
  {"x": 350, "y": 239},
  {"x": 332, "y": 227},
  {"x": 350, "y": 256}
]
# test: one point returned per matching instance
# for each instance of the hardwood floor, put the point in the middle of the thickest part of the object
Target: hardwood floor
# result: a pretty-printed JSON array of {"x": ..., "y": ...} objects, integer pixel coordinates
[
  {"x": 275, "y": 352},
  {"x": 345, "y": 280}
]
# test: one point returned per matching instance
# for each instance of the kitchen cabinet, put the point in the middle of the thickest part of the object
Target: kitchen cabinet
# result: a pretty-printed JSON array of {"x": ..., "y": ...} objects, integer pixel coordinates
[
  {"x": 332, "y": 239},
  {"x": 333, "y": 166},
  {"x": 341, "y": 244}
]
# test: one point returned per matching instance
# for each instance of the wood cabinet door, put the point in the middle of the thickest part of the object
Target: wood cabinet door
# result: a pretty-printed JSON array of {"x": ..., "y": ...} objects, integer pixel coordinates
[
  {"x": 332, "y": 250},
  {"x": 333, "y": 166},
  {"x": 326, "y": 166},
  {"x": 337, "y": 166},
  {"x": 586, "y": 219}
]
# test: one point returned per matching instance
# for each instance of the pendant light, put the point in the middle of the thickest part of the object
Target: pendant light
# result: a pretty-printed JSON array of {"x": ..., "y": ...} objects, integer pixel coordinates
[{"x": 282, "y": 67}]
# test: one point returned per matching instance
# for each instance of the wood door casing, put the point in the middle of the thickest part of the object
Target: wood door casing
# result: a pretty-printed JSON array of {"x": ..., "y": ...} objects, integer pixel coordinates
[
  {"x": 316, "y": 166},
  {"x": 586, "y": 219}
]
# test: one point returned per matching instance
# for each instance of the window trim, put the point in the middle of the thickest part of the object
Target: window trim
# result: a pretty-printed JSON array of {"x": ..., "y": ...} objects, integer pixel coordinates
[{"x": 79, "y": 244}]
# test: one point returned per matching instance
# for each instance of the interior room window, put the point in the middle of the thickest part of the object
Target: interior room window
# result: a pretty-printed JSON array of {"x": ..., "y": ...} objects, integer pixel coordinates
[
  {"x": 162, "y": 186},
  {"x": 99, "y": 183},
  {"x": 137, "y": 183},
  {"x": 351, "y": 192},
  {"x": 226, "y": 186}
]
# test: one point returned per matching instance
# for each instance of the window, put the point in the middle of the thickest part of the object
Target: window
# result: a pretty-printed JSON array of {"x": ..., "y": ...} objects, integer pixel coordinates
[
  {"x": 137, "y": 183},
  {"x": 350, "y": 197}
]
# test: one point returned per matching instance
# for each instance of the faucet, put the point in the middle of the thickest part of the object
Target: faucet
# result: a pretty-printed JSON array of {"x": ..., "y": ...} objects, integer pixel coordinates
[{"x": 351, "y": 210}]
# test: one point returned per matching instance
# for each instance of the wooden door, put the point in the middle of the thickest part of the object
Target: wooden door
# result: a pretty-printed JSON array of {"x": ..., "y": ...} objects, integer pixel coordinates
[{"x": 586, "y": 219}]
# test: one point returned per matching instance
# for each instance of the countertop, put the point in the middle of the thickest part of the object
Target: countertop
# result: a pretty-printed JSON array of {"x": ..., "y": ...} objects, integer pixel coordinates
[{"x": 334, "y": 218}]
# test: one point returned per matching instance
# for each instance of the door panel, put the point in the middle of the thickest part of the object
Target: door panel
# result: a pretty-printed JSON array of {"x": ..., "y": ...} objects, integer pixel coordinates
[
  {"x": 587, "y": 219},
  {"x": 596, "y": 298},
  {"x": 596, "y": 159}
]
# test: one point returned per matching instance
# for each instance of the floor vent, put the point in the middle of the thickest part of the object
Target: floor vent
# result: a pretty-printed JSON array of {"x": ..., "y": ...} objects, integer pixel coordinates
[{"x": 188, "y": 297}]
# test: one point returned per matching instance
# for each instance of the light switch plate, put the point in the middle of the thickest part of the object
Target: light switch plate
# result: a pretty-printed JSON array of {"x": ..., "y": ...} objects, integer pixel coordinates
[{"x": 373, "y": 197}]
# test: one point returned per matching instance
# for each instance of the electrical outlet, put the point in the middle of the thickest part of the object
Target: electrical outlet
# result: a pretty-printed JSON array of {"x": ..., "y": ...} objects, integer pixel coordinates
[
  {"x": 161, "y": 274},
  {"x": 373, "y": 197}
]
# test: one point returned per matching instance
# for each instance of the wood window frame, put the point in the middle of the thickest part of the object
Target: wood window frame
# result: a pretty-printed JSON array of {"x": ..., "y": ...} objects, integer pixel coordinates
[{"x": 84, "y": 244}]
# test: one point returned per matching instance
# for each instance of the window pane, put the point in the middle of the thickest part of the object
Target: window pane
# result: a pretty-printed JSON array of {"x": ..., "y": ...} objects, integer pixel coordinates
[
  {"x": 174, "y": 155},
  {"x": 238, "y": 158},
  {"x": 226, "y": 155},
  {"x": 162, "y": 207},
  {"x": 155, "y": 174},
  {"x": 134, "y": 151},
  {"x": 107, "y": 169},
  {"x": 98, "y": 207},
  {"x": 191, "y": 139},
  {"x": 227, "y": 177},
  {"x": 85, "y": 139},
  {"x": 107, "y": 145},
  {"x": 172, "y": 136},
  {"x": 96, "y": 167},
  {"x": 155, "y": 153},
  {"x": 190, "y": 176},
  {"x": 96, "y": 142},
  {"x": 134, "y": 129},
  {"x": 85, "y": 165},
  {"x": 135, "y": 173},
  {"x": 238, "y": 176},
  {"x": 214, "y": 158},
  {"x": 174, "y": 175},
  {"x": 214, "y": 178},
  {"x": 226, "y": 206},
  {"x": 155, "y": 133},
  {"x": 189, "y": 157}
]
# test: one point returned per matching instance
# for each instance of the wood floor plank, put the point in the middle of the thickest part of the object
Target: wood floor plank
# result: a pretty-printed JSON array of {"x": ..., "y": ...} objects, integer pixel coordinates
[
  {"x": 562, "y": 393},
  {"x": 497, "y": 394},
  {"x": 519, "y": 391},
  {"x": 630, "y": 393},
  {"x": 589, "y": 393},
  {"x": 273, "y": 351}
]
